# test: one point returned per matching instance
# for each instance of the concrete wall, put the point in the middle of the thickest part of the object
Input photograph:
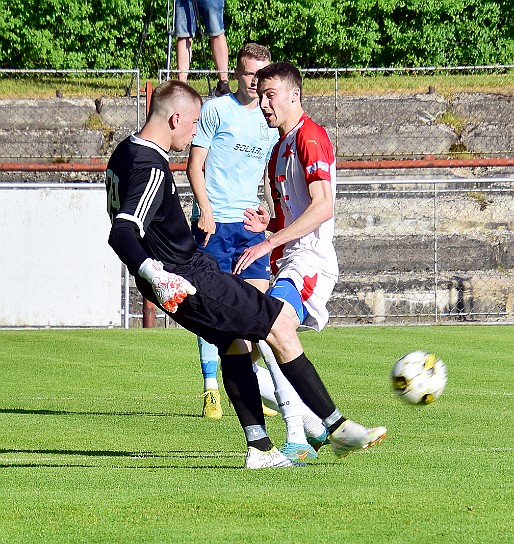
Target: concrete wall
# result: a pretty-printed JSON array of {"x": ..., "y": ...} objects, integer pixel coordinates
[
  {"x": 391, "y": 125},
  {"x": 57, "y": 269},
  {"x": 411, "y": 254}
]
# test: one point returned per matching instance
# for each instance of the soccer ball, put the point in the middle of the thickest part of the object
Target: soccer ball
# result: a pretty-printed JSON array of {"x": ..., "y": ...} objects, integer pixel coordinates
[{"x": 419, "y": 377}]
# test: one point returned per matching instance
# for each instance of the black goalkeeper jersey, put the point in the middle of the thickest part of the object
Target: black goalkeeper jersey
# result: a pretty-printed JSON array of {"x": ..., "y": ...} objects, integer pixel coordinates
[
  {"x": 148, "y": 221},
  {"x": 142, "y": 196}
]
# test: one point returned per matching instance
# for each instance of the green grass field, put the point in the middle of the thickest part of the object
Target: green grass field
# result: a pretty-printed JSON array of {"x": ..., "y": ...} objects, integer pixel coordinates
[{"x": 101, "y": 442}]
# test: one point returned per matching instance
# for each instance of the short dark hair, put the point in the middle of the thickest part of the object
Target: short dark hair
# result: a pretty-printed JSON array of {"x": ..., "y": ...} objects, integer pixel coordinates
[
  {"x": 171, "y": 91},
  {"x": 281, "y": 70},
  {"x": 253, "y": 51}
]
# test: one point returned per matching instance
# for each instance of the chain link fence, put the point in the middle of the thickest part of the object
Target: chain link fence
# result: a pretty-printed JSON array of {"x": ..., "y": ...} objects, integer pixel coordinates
[
  {"x": 407, "y": 113},
  {"x": 415, "y": 244},
  {"x": 65, "y": 117},
  {"x": 389, "y": 113},
  {"x": 425, "y": 251},
  {"x": 398, "y": 113}
]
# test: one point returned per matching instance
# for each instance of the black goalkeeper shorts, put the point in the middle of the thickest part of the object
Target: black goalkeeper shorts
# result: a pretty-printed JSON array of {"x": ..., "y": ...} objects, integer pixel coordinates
[{"x": 224, "y": 308}]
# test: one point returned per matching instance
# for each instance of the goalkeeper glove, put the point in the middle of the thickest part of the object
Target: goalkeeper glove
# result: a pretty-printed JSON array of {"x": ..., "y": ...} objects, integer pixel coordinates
[{"x": 169, "y": 288}]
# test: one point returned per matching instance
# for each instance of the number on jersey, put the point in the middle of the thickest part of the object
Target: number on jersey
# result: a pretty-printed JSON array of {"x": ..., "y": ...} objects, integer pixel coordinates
[{"x": 113, "y": 196}]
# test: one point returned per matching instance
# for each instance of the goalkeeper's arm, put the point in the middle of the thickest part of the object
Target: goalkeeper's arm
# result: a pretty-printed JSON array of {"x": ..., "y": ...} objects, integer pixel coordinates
[
  {"x": 170, "y": 289},
  {"x": 126, "y": 245}
]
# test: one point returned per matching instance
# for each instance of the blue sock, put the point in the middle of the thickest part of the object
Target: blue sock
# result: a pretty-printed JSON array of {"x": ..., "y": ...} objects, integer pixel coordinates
[
  {"x": 210, "y": 369},
  {"x": 209, "y": 363}
]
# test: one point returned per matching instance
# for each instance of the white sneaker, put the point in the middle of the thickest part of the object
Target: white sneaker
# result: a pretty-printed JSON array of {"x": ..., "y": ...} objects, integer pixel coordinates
[
  {"x": 266, "y": 459},
  {"x": 352, "y": 436}
]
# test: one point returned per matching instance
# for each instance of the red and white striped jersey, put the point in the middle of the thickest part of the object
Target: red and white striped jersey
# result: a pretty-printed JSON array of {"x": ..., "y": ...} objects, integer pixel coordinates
[{"x": 304, "y": 155}]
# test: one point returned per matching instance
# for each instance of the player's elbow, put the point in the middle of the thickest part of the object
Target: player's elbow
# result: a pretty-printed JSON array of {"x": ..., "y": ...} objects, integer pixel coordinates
[
  {"x": 123, "y": 241},
  {"x": 114, "y": 239},
  {"x": 326, "y": 213}
]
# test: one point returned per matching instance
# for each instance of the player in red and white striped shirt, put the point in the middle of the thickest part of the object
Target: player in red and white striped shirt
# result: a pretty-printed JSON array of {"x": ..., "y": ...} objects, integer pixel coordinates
[{"x": 303, "y": 177}]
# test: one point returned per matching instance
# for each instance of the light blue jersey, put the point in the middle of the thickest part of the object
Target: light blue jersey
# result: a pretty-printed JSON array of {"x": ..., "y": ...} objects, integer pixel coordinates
[{"x": 239, "y": 142}]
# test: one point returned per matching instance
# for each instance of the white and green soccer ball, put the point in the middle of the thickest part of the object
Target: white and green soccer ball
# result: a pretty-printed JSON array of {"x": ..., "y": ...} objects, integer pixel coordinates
[{"x": 419, "y": 377}]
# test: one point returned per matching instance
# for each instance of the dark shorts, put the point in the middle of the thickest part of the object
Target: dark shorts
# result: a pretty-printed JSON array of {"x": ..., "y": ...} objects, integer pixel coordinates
[
  {"x": 224, "y": 308},
  {"x": 211, "y": 15},
  {"x": 227, "y": 244}
]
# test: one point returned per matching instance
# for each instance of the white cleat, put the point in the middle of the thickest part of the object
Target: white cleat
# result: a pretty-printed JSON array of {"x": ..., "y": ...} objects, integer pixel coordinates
[
  {"x": 266, "y": 459},
  {"x": 351, "y": 436}
]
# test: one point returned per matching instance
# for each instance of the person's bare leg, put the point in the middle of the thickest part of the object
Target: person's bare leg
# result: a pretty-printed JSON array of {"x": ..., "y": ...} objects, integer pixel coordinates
[
  {"x": 183, "y": 57},
  {"x": 283, "y": 337},
  {"x": 219, "y": 50},
  {"x": 297, "y": 368}
]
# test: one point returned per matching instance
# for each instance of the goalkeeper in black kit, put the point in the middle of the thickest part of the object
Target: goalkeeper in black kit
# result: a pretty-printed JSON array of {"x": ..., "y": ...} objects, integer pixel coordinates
[{"x": 150, "y": 234}]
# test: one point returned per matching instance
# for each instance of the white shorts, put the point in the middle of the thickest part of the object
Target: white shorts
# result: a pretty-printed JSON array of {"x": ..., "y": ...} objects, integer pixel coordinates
[{"x": 315, "y": 288}]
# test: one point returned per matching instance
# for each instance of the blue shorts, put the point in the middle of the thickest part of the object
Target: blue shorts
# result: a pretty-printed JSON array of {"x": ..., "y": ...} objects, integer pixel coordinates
[
  {"x": 211, "y": 15},
  {"x": 227, "y": 244},
  {"x": 285, "y": 289}
]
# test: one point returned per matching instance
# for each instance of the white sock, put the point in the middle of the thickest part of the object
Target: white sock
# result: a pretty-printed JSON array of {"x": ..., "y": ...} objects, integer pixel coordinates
[
  {"x": 295, "y": 432},
  {"x": 313, "y": 425},
  {"x": 290, "y": 405},
  {"x": 210, "y": 383},
  {"x": 266, "y": 387}
]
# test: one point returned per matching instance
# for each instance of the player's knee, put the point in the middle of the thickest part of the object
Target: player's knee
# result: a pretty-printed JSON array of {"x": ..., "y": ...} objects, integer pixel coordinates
[
  {"x": 238, "y": 347},
  {"x": 283, "y": 328}
]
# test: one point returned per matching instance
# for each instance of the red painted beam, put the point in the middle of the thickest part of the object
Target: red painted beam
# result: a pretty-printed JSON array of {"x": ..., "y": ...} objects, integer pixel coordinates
[
  {"x": 341, "y": 165},
  {"x": 67, "y": 167}
]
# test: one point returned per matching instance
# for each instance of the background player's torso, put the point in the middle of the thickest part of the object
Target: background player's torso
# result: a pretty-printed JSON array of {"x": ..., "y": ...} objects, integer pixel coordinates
[{"x": 239, "y": 143}]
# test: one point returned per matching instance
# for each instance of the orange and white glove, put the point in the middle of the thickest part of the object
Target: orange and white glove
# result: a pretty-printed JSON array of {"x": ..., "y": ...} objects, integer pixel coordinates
[{"x": 169, "y": 288}]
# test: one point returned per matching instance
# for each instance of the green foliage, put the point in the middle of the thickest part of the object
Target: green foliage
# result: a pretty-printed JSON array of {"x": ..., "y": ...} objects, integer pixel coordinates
[
  {"x": 64, "y": 34},
  {"x": 318, "y": 33},
  {"x": 310, "y": 33},
  {"x": 445, "y": 33},
  {"x": 355, "y": 33}
]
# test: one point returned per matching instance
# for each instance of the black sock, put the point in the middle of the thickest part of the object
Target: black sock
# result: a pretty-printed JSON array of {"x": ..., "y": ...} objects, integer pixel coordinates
[
  {"x": 263, "y": 444},
  {"x": 304, "y": 378},
  {"x": 337, "y": 424},
  {"x": 242, "y": 388}
]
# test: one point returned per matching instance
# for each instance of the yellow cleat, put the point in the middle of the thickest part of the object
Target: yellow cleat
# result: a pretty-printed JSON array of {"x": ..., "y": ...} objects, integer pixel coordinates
[
  {"x": 212, "y": 404},
  {"x": 269, "y": 412}
]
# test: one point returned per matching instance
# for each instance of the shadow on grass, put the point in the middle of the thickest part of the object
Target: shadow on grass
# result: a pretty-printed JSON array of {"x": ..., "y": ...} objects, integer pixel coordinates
[
  {"x": 46, "y": 458},
  {"x": 45, "y": 412},
  {"x": 49, "y": 458},
  {"x": 92, "y": 453}
]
